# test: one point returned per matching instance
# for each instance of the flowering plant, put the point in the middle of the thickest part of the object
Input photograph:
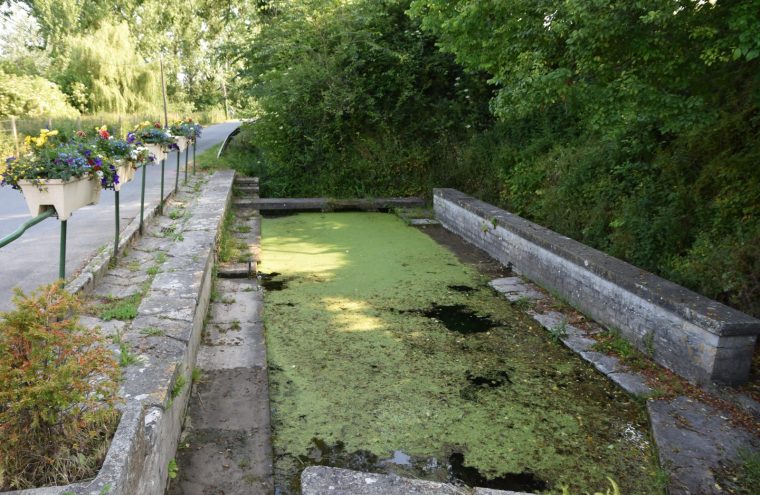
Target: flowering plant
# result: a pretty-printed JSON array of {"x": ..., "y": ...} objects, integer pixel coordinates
[
  {"x": 152, "y": 133},
  {"x": 51, "y": 156},
  {"x": 116, "y": 149},
  {"x": 186, "y": 128}
]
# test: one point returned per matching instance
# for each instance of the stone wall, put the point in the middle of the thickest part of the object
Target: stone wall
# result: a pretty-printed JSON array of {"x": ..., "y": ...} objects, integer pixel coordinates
[{"x": 692, "y": 335}]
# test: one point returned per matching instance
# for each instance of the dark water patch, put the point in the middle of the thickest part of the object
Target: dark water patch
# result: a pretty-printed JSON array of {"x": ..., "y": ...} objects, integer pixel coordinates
[
  {"x": 462, "y": 288},
  {"x": 490, "y": 380},
  {"x": 323, "y": 454},
  {"x": 481, "y": 383},
  {"x": 277, "y": 213},
  {"x": 458, "y": 318},
  {"x": 269, "y": 282},
  {"x": 520, "y": 482}
]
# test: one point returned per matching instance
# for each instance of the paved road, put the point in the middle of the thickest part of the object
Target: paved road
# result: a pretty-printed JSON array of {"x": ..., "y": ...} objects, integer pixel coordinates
[{"x": 32, "y": 260}]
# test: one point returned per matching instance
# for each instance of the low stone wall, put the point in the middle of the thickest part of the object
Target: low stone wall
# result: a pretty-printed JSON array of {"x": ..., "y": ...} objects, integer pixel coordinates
[
  {"x": 156, "y": 391},
  {"x": 692, "y": 335}
]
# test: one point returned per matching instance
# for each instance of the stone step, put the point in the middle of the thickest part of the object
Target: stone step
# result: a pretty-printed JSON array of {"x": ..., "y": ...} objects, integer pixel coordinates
[
  {"x": 236, "y": 270},
  {"x": 251, "y": 181}
]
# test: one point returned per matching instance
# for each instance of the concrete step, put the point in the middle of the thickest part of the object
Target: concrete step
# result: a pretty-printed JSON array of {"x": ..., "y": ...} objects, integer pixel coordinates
[{"x": 236, "y": 270}]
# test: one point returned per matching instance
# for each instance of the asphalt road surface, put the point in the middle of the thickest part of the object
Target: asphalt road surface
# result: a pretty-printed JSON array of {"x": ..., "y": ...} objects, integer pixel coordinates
[{"x": 32, "y": 260}]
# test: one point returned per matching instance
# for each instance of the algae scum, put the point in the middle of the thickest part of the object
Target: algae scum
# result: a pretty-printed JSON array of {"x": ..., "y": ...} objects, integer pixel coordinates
[{"x": 387, "y": 354}]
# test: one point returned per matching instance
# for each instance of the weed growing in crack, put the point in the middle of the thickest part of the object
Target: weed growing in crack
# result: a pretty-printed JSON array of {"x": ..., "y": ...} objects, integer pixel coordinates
[
  {"x": 120, "y": 309},
  {"x": 197, "y": 375},
  {"x": 179, "y": 384},
  {"x": 172, "y": 469},
  {"x": 523, "y": 303},
  {"x": 152, "y": 332},
  {"x": 126, "y": 356},
  {"x": 558, "y": 332}
]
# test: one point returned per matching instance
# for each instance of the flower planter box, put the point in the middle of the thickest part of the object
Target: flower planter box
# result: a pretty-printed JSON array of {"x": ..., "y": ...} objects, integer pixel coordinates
[
  {"x": 156, "y": 150},
  {"x": 126, "y": 173},
  {"x": 63, "y": 196},
  {"x": 182, "y": 143}
]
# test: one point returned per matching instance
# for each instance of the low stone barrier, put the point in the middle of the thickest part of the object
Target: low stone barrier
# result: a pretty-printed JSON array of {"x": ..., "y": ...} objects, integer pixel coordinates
[
  {"x": 156, "y": 391},
  {"x": 690, "y": 334}
]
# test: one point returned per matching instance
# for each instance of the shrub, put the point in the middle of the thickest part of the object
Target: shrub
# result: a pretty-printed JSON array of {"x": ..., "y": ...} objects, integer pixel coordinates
[{"x": 58, "y": 385}]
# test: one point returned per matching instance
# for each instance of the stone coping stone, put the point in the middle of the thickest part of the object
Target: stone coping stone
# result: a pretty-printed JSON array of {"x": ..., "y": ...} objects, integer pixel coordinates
[
  {"x": 715, "y": 317},
  {"x": 324, "y": 480},
  {"x": 327, "y": 204},
  {"x": 151, "y": 415}
]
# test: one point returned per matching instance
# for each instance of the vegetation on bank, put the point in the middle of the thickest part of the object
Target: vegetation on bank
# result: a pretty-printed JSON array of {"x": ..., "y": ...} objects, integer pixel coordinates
[
  {"x": 58, "y": 391},
  {"x": 630, "y": 126}
]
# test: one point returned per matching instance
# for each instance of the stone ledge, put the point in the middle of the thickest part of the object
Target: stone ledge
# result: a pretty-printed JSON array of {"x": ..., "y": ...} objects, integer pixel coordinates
[
  {"x": 327, "y": 204},
  {"x": 692, "y": 335},
  {"x": 323, "y": 480}
]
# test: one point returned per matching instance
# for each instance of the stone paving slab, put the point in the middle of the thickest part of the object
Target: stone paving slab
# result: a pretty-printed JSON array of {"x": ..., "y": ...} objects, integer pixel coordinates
[
  {"x": 515, "y": 288},
  {"x": 324, "y": 480},
  {"x": 694, "y": 440}
]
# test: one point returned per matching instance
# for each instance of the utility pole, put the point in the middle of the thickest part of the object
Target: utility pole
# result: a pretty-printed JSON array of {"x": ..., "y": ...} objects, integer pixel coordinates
[
  {"x": 224, "y": 93},
  {"x": 224, "y": 90}
]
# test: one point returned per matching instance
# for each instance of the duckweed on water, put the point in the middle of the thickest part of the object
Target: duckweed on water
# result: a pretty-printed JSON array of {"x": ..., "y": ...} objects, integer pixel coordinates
[{"x": 363, "y": 369}]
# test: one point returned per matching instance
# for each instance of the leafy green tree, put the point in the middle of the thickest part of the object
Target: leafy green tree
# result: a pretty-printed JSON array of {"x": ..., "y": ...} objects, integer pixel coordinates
[
  {"x": 32, "y": 96},
  {"x": 104, "y": 73}
]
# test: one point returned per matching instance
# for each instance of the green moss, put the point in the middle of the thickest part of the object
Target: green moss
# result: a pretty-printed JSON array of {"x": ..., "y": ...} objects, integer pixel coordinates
[{"x": 352, "y": 359}]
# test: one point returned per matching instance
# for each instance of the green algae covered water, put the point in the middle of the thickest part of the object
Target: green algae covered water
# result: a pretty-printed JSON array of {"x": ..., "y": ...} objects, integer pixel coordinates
[{"x": 388, "y": 354}]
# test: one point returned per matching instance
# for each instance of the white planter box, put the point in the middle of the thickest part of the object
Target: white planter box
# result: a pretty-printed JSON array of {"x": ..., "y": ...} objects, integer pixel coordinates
[
  {"x": 64, "y": 197},
  {"x": 156, "y": 150},
  {"x": 181, "y": 142},
  {"x": 126, "y": 173}
]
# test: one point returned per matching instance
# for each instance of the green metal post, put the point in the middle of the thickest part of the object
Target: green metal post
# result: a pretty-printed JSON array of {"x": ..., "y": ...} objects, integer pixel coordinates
[
  {"x": 142, "y": 197},
  {"x": 176, "y": 177},
  {"x": 187, "y": 152},
  {"x": 116, "y": 239},
  {"x": 161, "y": 199},
  {"x": 62, "y": 258},
  {"x": 194, "y": 140}
]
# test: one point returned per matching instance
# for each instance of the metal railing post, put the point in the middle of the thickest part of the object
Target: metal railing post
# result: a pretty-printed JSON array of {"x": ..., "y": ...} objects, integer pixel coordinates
[
  {"x": 161, "y": 199},
  {"x": 142, "y": 197},
  {"x": 116, "y": 238},
  {"x": 194, "y": 141},
  {"x": 176, "y": 177},
  {"x": 62, "y": 258},
  {"x": 187, "y": 152}
]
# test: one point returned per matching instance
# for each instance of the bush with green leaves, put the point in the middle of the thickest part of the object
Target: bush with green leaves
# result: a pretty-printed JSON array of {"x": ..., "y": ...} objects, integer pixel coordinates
[{"x": 58, "y": 391}]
